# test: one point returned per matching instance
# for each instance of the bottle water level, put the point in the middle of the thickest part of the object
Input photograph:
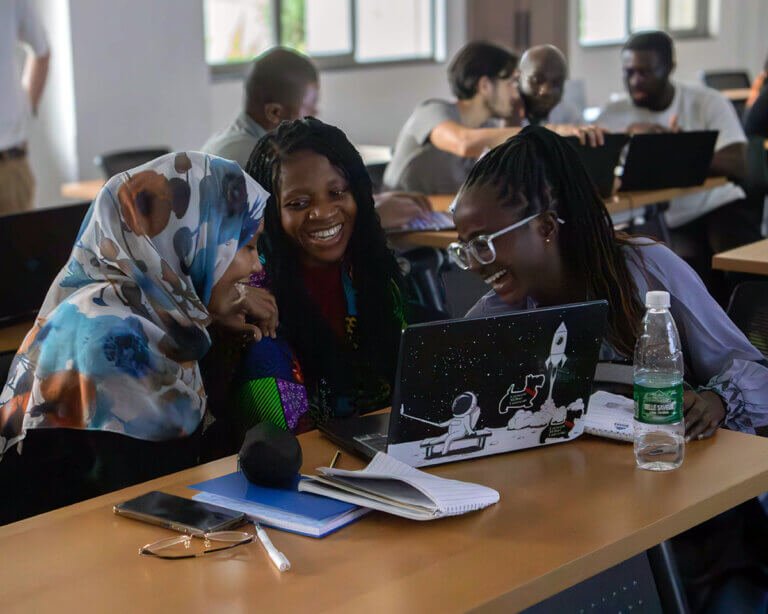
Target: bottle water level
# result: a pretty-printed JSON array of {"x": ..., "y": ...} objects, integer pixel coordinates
[{"x": 659, "y": 447}]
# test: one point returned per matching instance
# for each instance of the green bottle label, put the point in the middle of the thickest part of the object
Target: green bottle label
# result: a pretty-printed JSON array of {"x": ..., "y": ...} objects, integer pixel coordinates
[{"x": 654, "y": 405}]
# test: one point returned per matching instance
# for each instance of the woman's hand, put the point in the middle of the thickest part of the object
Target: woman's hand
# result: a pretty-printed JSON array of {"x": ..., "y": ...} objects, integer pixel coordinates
[
  {"x": 704, "y": 413},
  {"x": 396, "y": 209},
  {"x": 255, "y": 304}
]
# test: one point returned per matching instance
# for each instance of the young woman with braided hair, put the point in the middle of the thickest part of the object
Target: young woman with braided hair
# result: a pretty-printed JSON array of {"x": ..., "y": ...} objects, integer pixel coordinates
[
  {"x": 337, "y": 285},
  {"x": 565, "y": 250},
  {"x": 557, "y": 245}
]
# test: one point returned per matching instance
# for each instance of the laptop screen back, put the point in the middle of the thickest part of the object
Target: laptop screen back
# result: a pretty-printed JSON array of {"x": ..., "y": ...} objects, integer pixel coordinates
[
  {"x": 474, "y": 387},
  {"x": 34, "y": 246}
]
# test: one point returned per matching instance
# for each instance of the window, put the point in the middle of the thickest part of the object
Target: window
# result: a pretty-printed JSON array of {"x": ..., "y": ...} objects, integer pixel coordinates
[
  {"x": 334, "y": 32},
  {"x": 610, "y": 22}
]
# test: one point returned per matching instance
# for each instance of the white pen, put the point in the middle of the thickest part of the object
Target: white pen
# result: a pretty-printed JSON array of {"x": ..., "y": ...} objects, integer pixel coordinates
[{"x": 278, "y": 558}]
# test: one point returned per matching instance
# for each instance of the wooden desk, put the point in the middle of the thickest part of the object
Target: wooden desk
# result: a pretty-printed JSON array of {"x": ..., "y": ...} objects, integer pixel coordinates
[
  {"x": 82, "y": 190},
  {"x": 736, "y": 95},
  {"x": 752, "y": 258},
  {"x": 12, "y": 336},
  {"x": 622, "y": 201},
  {"x": 567, "y": 511}
]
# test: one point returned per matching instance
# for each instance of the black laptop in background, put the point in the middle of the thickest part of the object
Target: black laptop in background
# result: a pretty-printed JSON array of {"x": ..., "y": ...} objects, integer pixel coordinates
[
  {"x": 34, "y": 246},
  {"x": 668, "y": 160},
  {"x": 601, "y": 162}
]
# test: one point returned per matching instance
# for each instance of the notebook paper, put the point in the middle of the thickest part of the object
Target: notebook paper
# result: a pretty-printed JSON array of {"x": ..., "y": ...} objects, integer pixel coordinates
[{"x": 390, "y": 485}]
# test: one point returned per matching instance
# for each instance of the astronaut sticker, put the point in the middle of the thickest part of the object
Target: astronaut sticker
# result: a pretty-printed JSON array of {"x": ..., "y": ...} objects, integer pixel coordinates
[{"x": 461, "y": 435}]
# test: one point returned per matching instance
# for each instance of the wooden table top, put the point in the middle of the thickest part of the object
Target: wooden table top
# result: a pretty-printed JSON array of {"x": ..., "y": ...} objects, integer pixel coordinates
[
  {"x": 82, "y": 190},
  {"x": 737, "y": 94},
  {"x": 12, "y": 336},
  {"x": 622, "y": 201},
  {"x": 567, "y": 512},
  {"x": 752, "y": 258}
]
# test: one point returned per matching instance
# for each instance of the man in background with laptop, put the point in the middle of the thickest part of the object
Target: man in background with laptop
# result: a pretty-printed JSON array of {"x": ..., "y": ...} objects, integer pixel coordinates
[{"x": 711, "y": 221}]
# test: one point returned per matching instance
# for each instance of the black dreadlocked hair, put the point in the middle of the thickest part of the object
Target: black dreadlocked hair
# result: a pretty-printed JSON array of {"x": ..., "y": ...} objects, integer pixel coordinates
[
  {"x": 377, "y": 279},
  {"x": 537, "y": 171}
]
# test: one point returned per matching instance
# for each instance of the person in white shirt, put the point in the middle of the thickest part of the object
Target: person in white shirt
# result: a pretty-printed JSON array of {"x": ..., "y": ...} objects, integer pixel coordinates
[
  {"x": 18, "y": 99},
  {"x": 711, "y": 221}
]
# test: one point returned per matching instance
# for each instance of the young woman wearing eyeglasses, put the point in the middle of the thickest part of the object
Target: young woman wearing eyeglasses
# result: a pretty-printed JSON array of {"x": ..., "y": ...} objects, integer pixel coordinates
[{"x": 532, "y": 225}]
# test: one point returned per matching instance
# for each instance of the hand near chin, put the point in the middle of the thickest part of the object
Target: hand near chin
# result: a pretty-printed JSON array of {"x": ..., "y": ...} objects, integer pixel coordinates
[{"x": 253, "y": 311}]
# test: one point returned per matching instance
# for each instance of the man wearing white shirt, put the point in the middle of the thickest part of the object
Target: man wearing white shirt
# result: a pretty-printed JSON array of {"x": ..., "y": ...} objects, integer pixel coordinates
[
  {"x": 19, "y": 98},
  {"x": 711, "y": 221}
]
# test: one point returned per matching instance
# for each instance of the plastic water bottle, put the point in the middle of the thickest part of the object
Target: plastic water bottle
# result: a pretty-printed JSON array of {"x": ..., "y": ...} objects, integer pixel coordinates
[{"x": 658, "y": 390}]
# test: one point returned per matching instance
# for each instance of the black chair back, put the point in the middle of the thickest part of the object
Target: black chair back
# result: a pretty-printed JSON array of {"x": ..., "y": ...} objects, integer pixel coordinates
[
  {"x": 748, "y": 308},
  {"x": 116, "y": 162}
]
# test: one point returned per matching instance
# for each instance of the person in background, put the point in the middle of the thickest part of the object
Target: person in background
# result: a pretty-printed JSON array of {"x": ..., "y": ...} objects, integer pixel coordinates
[
  {"x": 758, "y": 84},
  {"x": 711, "y": 221},
  {"x": 556, "y": 244},
  {"x": 105, "y": 390},
  {"x": 19, "y": 24},
  {"x": 541, "y": 78},
  {"x": 442, "y": 139},
  {"x": 285, "y": 85}
]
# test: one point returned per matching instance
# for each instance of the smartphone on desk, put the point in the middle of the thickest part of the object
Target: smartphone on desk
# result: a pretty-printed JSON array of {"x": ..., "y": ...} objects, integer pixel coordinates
[{"x": 179, "y": 514}]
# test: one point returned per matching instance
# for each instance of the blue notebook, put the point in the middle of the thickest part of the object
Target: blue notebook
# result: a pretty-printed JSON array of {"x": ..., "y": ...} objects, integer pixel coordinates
[{"x": 285, "y": 509}]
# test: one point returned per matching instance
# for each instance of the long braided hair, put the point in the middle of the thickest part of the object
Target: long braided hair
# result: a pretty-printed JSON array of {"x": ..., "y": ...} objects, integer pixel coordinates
[
  {"x": 537, "y": 171},
  {"x": 376, "y": 277}
]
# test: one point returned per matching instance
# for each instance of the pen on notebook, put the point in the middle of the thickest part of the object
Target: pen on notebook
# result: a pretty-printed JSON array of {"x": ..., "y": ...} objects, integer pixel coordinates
[
  {"x": 335, "y": 458},
  {"x": 278, "y": 558}
]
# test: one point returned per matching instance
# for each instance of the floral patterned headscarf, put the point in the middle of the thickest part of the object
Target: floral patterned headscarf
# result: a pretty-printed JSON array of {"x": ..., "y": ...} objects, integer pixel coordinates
[{"x": 116, "y": 343}]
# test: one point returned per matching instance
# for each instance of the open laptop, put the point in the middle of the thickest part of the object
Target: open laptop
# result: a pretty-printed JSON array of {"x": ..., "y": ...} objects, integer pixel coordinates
[
  {"x": 434, "y": 221},
  {"x": 480, "y": 386},
  {"x": 34, "y": 246},
  {"x": 601, "y": 162},
  {"x": 668, "y": 160}
]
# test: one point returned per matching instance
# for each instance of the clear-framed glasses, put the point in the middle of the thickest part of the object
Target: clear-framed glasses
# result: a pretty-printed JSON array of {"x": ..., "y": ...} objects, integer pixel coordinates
[
  {"x": 187, "y": 547},
  {"x": 481, "y": 247}
]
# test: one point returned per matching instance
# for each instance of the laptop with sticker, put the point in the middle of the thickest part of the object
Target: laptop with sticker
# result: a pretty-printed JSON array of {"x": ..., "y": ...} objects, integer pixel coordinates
[{"x": 474, "y": 387}]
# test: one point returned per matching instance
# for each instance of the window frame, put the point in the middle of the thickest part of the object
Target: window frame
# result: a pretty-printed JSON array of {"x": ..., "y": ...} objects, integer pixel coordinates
[
  {"x": 700, "y": 30},
  {"x": 340, "y": 60}
]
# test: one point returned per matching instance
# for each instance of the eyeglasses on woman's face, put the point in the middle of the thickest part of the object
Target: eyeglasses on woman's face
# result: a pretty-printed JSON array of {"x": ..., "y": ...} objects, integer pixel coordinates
[{"x": 481, "y": 248}]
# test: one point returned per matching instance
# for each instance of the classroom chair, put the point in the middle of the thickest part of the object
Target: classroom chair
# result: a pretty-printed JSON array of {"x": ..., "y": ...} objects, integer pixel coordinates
[
  {"x": 748, "y": 308},
  {"x": 421, "y": 267},
  {"x": 115, "y": 162}
]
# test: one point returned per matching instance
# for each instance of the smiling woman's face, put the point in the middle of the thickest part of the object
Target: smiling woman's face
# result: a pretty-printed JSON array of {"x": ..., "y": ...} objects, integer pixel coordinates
[{"x": 317, "y": 210}]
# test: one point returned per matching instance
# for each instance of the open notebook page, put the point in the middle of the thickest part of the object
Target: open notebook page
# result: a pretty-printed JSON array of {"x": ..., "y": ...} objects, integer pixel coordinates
[{"x": 449, "y": 496}]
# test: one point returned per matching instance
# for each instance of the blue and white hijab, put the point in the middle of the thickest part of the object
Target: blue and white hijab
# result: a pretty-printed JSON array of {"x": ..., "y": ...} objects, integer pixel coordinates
[{"x": 117, "y": 341}]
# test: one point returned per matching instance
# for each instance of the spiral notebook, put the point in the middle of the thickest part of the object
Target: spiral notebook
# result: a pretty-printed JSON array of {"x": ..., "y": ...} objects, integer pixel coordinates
[
  {"x": 391, "y": 486},
  {"x": 282, "y": 508}
]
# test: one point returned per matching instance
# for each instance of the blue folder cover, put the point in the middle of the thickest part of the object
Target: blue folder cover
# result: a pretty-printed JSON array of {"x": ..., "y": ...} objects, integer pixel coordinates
[{"x": 286, "y": 509}]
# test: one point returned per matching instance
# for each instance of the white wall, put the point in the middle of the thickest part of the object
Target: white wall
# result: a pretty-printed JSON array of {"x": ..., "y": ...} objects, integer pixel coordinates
[
  {"x": 740, "y": 43},
  {"x": 140, "y": 76},
  {"x": 369, "y": 104},
  {"x": 52, "y": 146}
]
